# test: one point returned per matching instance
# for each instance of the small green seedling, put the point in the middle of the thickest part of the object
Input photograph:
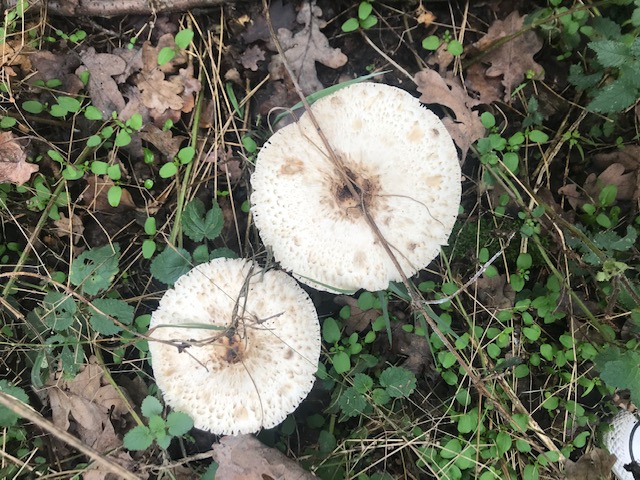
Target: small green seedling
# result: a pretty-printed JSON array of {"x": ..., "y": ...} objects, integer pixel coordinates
[
  {"x": 433, "y": 42},
  {"x": 159, "y": 429},
  {"x": 365, "y": 19},
  {"x": 182, "y": 40}
]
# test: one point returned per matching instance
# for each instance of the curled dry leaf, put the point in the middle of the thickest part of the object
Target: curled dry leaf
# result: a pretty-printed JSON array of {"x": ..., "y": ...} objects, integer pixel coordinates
[
  {"x": 159, "y": 94},
  {"x": 243, "y": 457},
  {"x": 13, "y": 161},
  {"x": 164, "y": 140},
  {"x": 304, "y": 49},
  {"x": 467, "y": 127},
  {"x": 513, "y": 59}
]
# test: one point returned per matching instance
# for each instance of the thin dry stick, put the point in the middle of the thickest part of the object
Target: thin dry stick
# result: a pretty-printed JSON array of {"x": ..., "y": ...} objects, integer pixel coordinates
[
  {"x": 417, "y": 302},
  {"x": 25, "y": 411}
]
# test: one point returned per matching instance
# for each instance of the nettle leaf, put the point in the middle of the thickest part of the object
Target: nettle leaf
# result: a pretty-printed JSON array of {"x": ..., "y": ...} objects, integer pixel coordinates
[
  {"x": 60, "y": 309},
  {"x": 138, "y": 438},
  {"x": 351, "y": 402},
  {"x": 151, "y": 406},
  {"x": 94, "y": 270},
  {"x": 197, "y": 225},
  {"x": 117, "y": 309},
  {"x": 170, "y": 265},
  {"x": 179, "y": 423},
  {"x": 398, "y": 381}
]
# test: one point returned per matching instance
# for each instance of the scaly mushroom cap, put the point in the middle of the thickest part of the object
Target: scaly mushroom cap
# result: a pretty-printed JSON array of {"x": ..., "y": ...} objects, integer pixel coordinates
[
  {"x": 254, "y": 363},
  {"x": 396, "y": 152}
]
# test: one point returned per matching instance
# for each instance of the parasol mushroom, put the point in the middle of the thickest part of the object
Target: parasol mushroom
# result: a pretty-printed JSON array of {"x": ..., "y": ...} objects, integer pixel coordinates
[
  {"x": 236, "y": 347},
  {"x": 399, "y": 159}
]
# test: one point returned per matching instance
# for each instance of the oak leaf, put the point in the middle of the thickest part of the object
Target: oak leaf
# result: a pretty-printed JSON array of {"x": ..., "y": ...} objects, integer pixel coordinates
[
  {"x": 513, "y": 59},
  {"x": 304, "y": 49},
  {"x": 102, "y": 87},
  {"x": 467, "y": 127}
]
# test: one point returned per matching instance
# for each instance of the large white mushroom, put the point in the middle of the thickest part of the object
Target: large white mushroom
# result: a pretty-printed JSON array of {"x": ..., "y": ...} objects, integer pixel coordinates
[
  {"x": 238, "y": 346},
  {"x": 395, "y": 152}
]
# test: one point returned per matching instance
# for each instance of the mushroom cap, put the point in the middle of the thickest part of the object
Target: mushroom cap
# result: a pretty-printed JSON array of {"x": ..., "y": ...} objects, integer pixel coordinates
[
  {"x": 254, "y": 370},
  {"x": 400, "y": 156}
]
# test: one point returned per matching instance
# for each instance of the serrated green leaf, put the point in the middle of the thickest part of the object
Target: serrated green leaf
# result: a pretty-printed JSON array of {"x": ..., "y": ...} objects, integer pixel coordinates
[
  {"x": 614, "y": 97},
  {"x": 197, "y": 225},
  {"x": 351, "y": 402},
  {"x": 138, "y": 438},
  {"x": 380, "y": 396},
  {"x": 170, "y": 265},
  {"x": 7, "y": 417},
  {"x": 620, "y": 369},
  {"x": 121, "y": 311},
  {"x": 94, "y": 270},
  {"x": 398, "y": 381},
  {"x": 611, "y": 53},
  {"x": 179, "y": 423},
  {"x": 151, "y": 406},
  {"x": 362, "y": 383},
  {"x": 59, "y": 310}
]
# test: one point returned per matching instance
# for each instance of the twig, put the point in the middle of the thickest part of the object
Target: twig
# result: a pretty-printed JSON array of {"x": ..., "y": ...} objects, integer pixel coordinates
[{"x": 25, "y": 411}]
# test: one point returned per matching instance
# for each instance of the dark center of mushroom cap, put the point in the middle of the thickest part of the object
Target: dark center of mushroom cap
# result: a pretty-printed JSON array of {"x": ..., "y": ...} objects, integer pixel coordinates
[
  {"x": 352, "y": 191},
  {"x": 234, "y": 347}
]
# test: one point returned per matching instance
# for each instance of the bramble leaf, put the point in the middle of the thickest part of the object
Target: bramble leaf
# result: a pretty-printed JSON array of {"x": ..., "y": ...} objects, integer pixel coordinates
[{"x": 197, "y": 225}]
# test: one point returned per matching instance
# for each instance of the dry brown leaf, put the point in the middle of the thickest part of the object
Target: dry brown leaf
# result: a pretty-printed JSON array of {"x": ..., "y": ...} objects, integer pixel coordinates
[
  {"x": 95, "y": 195},
  {"x": 495, "y": 293},
  {"x": 358, "y": 319},
  {"x": 628, "y": 156},
  {"x": 102, "y": 87},
  {"x": 69, "y": 227},
  {"x": 282, "y": 16},
  {"x": 159, "y": 94},
  {"x": 513, "y": 59},
  {"x": 593, "y": 465},
  {"x": 304, "y": 49},
  {"x": 614, "y": 174},
  {"x": 13, "y": 161},
  {"x": 16, "y": 53},
  {"x": 163, "y": 140},
  {"x": 49, "y": 65},
  {"x": 467, "y": 127},
  {"x": 416, "y": 348},
  {"x": 488, "y": 89},
  {"x": 251, "y": 56},
  {"x": 243, "y": 457}
]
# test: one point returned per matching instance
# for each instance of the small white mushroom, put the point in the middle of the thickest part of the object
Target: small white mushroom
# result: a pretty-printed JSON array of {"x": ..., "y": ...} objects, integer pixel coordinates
[
  {"x": 396, "y": 153},
  {"x": 239, "y": 348}
]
